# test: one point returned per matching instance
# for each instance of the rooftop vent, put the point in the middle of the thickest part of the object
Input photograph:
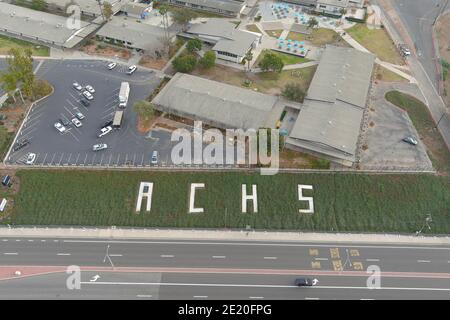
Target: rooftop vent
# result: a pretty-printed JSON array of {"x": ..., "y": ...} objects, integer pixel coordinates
[{"x": 330, "y": 122}]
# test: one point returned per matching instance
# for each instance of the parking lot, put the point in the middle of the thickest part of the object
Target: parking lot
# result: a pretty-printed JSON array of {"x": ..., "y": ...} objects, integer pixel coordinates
[{"x": 126, "y": 146}]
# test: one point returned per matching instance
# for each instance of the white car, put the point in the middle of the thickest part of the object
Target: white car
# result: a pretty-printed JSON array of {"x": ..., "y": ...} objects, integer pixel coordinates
[
  {"x": 154, "y": 157},
  {"x": 90, "y": 88},
  {"x": 76, "y": 122},
  {"x": 60, "y": 127},
  {"x": 88, "y": 95},
  {"x": 131, "y": 69},
  {"x": 31, "y": 158},
  {"x": 77, "y": 86},
  {"x": 79, "y": 116},
  {"x": 104, "y": 131},
  {"x": 100, "y": 146},
  {"x": 112, "y": 65}
]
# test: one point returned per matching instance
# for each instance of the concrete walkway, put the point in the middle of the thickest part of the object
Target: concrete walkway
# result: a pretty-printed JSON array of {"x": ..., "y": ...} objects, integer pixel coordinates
[
  {"x": 292, "y": 66},
  {"x": 232, "y": 235}
]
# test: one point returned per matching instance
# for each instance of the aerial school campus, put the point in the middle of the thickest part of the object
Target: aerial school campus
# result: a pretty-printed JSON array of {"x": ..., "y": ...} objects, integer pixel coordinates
[{"x": 362, "y": 145}]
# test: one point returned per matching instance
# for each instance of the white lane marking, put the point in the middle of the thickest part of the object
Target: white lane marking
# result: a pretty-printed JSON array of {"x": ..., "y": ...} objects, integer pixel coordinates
[
  {"x": 144, "y": 296},
  {"x": 10, "y": 253},
  {"x": 321, "y": 259},
  {"x": 270, "y": 258},
  {"x": 63, "y": 254},
  {"x": 423, "y": 261},
  {"x": 308, "y": 298},
  {"x": 257, "y": 286},
  {"x": 219, "y": 257},
  {"x": 167, "y": 256},
  {"x": 374, "y": 260},
  {"x": 115, "y": 255},
  {"x": 30, "y": 240},
  {"x": 366, "y": 299},
  {"x": 55, "y": 240},
  {"x": 252, "y": 244},
  {"x": 201, "y": 297},
  {"x": 256, "y": 297},
  {"x": 7, "y": 240},
  {"x": 17, "y": 240},
  {"x": 43, "y": 240}
]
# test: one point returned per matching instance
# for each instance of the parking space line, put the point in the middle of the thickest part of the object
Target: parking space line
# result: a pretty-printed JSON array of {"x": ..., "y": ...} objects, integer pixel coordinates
[
  {"x": 60, "y": 159},
  {"x": 51, "y": 162},
  {"x": 109, "y": 115},
  {"x": 142, "y": 162},
  {"x": 76, "y": 161},
  {"x": 118, "y": 158},
  {"x": 45, "y": 157},
  {"x": 85, "y": 158},
  {"x": 101, "y": 159},
  {"x": 68, "y": 101},
  {"x": 70, "y": 112},
  {"x": 68, "y": 159},
  {"x": 74, "y": 136},
  {"x": 134, "y": 159},
  {"x": 93, "y": 159},
  {"x": 110, "y": 157}
]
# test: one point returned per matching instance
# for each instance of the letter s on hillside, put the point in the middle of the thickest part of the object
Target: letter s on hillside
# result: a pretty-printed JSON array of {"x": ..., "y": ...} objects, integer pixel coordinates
[{"x": 310, "y": 200}]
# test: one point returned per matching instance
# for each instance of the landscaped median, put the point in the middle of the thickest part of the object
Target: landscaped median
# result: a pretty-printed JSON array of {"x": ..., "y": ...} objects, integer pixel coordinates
[{"x": 342, "y": 202}]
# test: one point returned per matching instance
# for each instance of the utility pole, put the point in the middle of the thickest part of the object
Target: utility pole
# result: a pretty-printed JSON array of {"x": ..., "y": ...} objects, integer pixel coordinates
[
  {"x": 101, "y": 8},
  {"x": 108, "y": 257}
]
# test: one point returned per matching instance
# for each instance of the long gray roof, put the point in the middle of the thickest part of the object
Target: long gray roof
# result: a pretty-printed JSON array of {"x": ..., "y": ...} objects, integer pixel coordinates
[
  {"x": 229, "y": 38},
  {"x": 89, "y": 6},
  {"x": 338, "y": 3},
  {"x": 216, "y": 102},
  {"x": 36, "y": 24},
  {"x": 330, "y": 119},
  {"x": 228, "y": 5},
  {"x": 140, "y": 34}
]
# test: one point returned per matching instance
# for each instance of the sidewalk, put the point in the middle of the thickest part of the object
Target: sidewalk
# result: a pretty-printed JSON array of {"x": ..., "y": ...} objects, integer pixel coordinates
[{"x": 231, "y": 235}]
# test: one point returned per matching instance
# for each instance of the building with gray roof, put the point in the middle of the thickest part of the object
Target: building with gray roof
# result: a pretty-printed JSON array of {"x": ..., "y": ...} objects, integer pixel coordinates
[
  {"x": 137, "y": 9},
  {"x": 230, "y": 8},
  {"x": 217, "y": 104},
  {"x": 228, "y": 42},
  {"x": 41, "y": 27},
  {"x": 329, "y": 122},
  {"x": 132, "y": 34}
]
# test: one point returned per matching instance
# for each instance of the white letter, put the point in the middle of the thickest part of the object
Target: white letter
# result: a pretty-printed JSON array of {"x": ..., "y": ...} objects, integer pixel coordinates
[
  {"x": 274, "y": 157},
  {"x": 147, "y": 194},
  {"x": 246, "y": 197},
  {"x": 374, "y": 281},
  {"x": 302, "y": 198},
  {"x": 198, "y": 142},
  {"x": 181, "y": 152},
  {"x": 192, "y": 209},
  {"x": 74, "y": 280},
  {"x": 74, "y": 21},
  {"x": 213, "y": 152}
]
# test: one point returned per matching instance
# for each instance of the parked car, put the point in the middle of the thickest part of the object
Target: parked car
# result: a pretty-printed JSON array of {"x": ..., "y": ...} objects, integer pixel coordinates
[
  {"x": 31, "y": 157},
  {"x": 60, "y": 127},
  {"x": 76, "y": 122},
  {"x": 112, "y": 65},
  {"x": 107, "y": 123},
  {"x": 64, "y": 121},
  {"x": 77, "y": 86},
  {"x": 410, "y": 140},
  {"x": 154, "y": 157},
  {"x": 104, "y": 131},
  {"x": 79, "y": 115},
  {"x": 88, "y": 95},
  {"x": 20, "y": 144},
  {"x": 85, "y": 103},
  {"x": 306, "y": 282},
  {"x": 90, "y": 88},
  {"x": 99, "y": 146},
  {"x": 6, "y": 181},
  {"x": 131, "y": 69}
]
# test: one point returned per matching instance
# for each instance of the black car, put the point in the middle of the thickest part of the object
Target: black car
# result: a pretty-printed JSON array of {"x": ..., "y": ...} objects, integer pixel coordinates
[
  {"x": 6, "y": 181},
  {"x": 20, "y": 144},
  {"x": 85, "y": 102},
  {"x": 64, "y": 122},
  {"x": 304, "y": 282},
  {"x": 107, "y": 123}
]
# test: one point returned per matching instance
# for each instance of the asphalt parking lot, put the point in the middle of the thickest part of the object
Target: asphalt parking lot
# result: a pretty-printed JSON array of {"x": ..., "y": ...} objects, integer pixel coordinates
[{"x": 126, "y": 146}]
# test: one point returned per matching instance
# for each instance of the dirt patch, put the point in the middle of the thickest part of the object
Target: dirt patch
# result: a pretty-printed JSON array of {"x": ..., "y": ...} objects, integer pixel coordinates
[
  {"x": 153, "y": 63},
  {"x": 145, "y": 125},
  {"x": 101, "y": 49},
  {"x": 9, "y": 193},
  {"x": 443, "y": 36}
]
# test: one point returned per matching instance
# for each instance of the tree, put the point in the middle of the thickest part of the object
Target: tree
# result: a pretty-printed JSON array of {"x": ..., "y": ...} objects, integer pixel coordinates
[
  {"x": 39, "y": 5},
  {"x": 294, "y": 92},
  {"x": 194, "y": 45},
  {"x": 312, "y": 22},
  {"x": 271, "y": 62},
  {"x": 208, "y": 60},
  {"x": 163, "y": 10},
  {"x": 144, "y": 109},
  {"x": 184, "y": 63},
  {"x": 19, "y": 73},
  {"x": 41, "y": 88},
  {"x": 248, "y": 58},
  {"x": 107, "y": 10},
  {"x": 183, "y": 17}
]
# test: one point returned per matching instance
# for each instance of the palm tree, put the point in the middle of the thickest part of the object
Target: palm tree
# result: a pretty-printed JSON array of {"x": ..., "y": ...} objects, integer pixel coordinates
[{"x": 248, "y": 57}]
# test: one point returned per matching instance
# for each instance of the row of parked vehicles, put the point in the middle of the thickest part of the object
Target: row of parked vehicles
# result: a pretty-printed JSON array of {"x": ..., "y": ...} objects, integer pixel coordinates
[{"x": 130, "y": 71}]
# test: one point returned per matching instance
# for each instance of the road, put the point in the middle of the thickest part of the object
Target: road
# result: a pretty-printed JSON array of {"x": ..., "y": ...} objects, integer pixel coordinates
[{"x": 157, "y": 269}]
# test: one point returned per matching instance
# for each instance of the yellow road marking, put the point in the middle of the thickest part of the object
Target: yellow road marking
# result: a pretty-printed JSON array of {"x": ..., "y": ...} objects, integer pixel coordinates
[
  {"x": 354, "y": 253},
  {"x": 315, "y": 265},
  {"x": 357, "y": 266},
  {"x": 337, "y": 265},
  {"x": 334, "y": 252},
  {"x": 313, "y": 252}
]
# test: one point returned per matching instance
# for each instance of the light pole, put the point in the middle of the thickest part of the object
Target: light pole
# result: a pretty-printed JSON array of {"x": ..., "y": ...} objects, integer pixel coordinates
[
  {"x": 108, "y": 257},
  {"x": 428, "y": 220}
]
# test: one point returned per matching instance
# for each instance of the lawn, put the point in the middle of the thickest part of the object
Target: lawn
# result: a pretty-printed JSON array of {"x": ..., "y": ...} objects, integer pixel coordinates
[
  {"x": 342, "y": 202},
  {"x": 266, "y": 82},
  {"x": 319, "y": 37},
  {"x": 376, "y": 41},
  {"x": 253, "y": 28},
  {"x": 7, "y": 43},
  {"x": 197, "y": 13},
  {"x": 274, "y": 33},
  {"x": 5, "y": 140},
  {"x": 386, "y": 75},
  {"x": 422, "y": 120},
  {"x": 286, "y": 58}
]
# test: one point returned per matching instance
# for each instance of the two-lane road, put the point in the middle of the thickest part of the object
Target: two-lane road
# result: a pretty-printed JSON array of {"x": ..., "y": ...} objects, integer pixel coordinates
[{"x": 157, "y": 269}]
